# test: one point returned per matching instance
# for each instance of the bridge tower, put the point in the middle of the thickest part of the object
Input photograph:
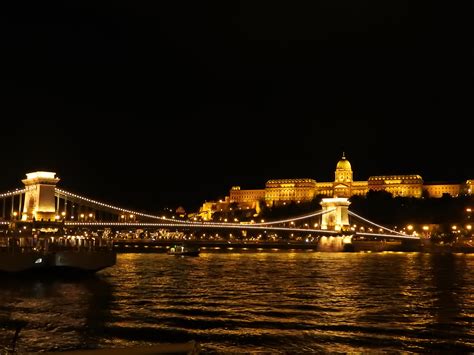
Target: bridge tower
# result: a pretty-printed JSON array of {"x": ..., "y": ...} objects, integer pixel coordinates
[
  {"x": 338, "y": 216},
  {"x": 39, "y": 196}
]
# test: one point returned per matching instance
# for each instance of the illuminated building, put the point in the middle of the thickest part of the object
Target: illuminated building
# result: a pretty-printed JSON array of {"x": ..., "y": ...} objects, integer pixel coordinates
[
  {"x": 283, "y": 191},
  {"x": 246, "y": 198},
  {"x": 208, "y": 208},
  {"x": 438, "y": 190},
  {"x": 343, "y": 185},
  {"x": 289, "y": 190},
  {"x": 398, "y": 185}
]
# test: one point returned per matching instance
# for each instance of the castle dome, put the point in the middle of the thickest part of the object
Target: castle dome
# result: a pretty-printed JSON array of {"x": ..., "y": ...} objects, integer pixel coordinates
[{"x": 343, "y": 164}]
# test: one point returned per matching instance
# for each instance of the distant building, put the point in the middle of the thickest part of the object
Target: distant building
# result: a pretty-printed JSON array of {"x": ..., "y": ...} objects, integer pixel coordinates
[
  {"x": 397, "y": 185},
  {"x": 439, "y": 189},
  {"x": 246, "y": 198},
  {"x": 282, "y": 191},
  {"x": 289, "y": 190},
  {"x": 209, "y": 208}
]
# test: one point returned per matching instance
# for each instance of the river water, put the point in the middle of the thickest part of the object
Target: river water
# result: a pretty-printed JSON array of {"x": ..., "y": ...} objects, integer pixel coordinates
[{"x": 278, "y": 302}]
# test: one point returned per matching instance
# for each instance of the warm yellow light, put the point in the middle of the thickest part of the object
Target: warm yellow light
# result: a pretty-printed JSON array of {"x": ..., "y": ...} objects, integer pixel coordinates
[
  {"x": 468, "y": 209},
  {"x": 90, "y": 214},
  {"x": 410, "y": 227},
  {"x": 122, "y": 216},
  {"x": 82, "y": 215},
  {"x": 41, "y": 175},
  {"x": 425, "y": 228},
  {"x": 469, "y": 227},
  {"x": 63, "y": 213},
  {"x": 454, "y": 227},
  {"x": 15, "y": 213}
]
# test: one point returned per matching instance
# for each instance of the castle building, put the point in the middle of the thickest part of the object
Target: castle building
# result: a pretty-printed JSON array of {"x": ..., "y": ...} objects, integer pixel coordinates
[
  {"x": 289, "y": 190},
  {"x": 246, "y": 198},
  {"x": 282, "y": 191},
  {"x": 397, "y": 185}
]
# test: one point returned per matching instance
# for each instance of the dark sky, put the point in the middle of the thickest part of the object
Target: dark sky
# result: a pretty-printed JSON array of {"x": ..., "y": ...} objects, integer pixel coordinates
[{"x": 160, "y": 103}]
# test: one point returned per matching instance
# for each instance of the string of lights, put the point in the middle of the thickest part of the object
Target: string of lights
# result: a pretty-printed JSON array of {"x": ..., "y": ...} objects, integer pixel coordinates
[
  {"x": 12, "y": 193},
  {"x": 374, "y": 224},
  {"x": 63, "y": 193}
]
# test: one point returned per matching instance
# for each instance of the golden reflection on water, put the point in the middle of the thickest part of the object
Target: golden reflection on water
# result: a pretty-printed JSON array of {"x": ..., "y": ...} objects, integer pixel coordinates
[{"x": 271, "y": 301}]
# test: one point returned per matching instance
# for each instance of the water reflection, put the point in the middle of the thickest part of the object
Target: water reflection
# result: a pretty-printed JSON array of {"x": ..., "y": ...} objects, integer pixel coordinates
[
  {"x": 57, "y": 313},
  {"x": 278, "y": 302}
]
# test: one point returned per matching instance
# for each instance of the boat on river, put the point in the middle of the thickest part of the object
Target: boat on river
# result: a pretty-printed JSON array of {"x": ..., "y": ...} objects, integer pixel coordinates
[
  {"x": 183, "y": 250},
  {"x": 25, "y": 254}
]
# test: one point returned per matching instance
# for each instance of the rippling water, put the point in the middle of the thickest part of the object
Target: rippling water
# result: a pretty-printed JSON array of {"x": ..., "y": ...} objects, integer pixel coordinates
[{"x": 276, "y": 302}]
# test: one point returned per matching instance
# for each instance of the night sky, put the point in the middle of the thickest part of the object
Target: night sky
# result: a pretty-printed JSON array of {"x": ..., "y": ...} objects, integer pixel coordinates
[{"x": 154, "y": 104}]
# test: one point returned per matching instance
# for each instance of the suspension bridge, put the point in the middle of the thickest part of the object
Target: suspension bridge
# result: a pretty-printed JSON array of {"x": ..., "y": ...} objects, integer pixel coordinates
[{"x": 41, "y": 204}]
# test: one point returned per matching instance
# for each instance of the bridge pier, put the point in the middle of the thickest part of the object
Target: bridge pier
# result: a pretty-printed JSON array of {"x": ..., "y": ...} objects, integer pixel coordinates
[
  {"x": 336, "y": 215},
  {"x": 39, "y": 203}
]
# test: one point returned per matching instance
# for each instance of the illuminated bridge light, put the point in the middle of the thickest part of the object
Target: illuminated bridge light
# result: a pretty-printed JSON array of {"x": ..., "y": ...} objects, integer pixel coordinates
[{"x": 265, "y": 226}]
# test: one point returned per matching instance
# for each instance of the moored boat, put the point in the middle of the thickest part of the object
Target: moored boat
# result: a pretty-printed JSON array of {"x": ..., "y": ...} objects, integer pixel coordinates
[{"x": 54, "y": 253}]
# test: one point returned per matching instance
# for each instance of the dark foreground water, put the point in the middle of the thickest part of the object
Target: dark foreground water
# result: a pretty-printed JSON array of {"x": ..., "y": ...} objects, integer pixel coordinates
[{"x": 274, "y": 302}]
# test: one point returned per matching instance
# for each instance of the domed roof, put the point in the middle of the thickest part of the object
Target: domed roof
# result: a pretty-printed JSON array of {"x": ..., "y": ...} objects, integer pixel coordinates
[{"x": 343, "y": 164}]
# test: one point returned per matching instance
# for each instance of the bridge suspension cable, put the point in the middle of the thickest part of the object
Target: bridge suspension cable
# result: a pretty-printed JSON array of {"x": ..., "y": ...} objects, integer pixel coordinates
[
  {"x": 63, "y": 193},
  {"x": 12, "y": 193},
  {"x": 298, "y": 218},
  {"x": 375, "y": 224}
]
